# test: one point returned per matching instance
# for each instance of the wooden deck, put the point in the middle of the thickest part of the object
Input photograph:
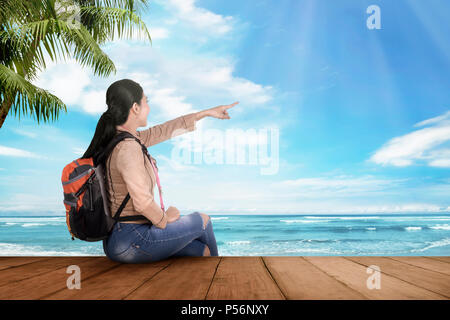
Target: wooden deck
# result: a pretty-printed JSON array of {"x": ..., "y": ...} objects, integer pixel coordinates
[{"x": 227, "y": 278}]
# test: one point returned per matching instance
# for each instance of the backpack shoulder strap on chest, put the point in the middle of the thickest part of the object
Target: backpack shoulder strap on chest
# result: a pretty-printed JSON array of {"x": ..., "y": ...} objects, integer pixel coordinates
[{"x": 101, "y": 157}]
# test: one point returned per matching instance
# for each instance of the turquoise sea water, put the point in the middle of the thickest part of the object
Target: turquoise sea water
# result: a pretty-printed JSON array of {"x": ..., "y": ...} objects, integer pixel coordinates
[{"x": 255, "y": 235}]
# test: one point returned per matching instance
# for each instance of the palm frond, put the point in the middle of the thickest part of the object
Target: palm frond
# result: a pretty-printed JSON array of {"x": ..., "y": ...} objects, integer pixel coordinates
[
  {"x": 131, "y": 5},
  {"x": 31, "y": 28},
  {"x": 102, "y": 22},
  {"x": 28, "y": 98},
  {"x": 58, "y": 39}
]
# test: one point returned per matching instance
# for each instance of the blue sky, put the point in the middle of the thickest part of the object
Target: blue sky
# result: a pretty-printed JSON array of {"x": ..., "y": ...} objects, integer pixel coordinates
[{"x": 362, "y": 117}]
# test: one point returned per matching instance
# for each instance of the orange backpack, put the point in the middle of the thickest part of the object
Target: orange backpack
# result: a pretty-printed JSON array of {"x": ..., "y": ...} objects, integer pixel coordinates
[{"x": 85, "y": 199}]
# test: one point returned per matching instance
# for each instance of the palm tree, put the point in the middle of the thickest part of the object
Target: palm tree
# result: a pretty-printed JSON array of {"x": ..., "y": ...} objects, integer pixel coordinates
[{"x": 28, "y": 28}]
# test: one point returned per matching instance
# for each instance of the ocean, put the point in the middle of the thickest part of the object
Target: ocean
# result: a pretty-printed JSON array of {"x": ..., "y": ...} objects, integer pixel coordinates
[{"x": 261, "y": 235}]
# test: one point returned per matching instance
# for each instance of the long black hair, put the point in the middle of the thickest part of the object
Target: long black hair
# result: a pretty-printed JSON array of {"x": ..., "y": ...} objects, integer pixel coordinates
[{"x": 120, "y": 97}]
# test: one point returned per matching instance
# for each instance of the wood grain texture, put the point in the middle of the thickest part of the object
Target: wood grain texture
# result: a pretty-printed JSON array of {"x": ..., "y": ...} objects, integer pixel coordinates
[
  {"x": 243, "y": 278},
  {"x": 7, "y": 262},
  {"x": 431, "y": 280},
  {"x": 355, "y": 275},
  {"x": 426, "y": 263},
  {"x": 33, "y": 269},
  {"x": 112, "y": 283},
  {"x": 227, "y": 278},
  {"x": 444, "y": 259},
  {"x": 43, "y": 284},
  {"x": 299, "y": 279},
  {"x": 185, "y": 278}
]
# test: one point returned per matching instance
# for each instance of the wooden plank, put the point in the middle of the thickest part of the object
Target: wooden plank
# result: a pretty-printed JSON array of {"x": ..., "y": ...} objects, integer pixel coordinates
[
  {"x": 243, "y": 278},
  {"x": 9, "y": 262},
  {"x": 424, "y": 262},
  {"x": 46, "y": 283},
  {"x": 427, "y": 279},
  {"x": 185, "y": 278},
  {"x": 36, "y": 268},
  {"x": 228, "y": 278},
  {"x": 444, "y": 259},
  {"x": 355, "y": 276},
  {"x": 299, "y": 280},
  {"x": 113, "y": 284}
]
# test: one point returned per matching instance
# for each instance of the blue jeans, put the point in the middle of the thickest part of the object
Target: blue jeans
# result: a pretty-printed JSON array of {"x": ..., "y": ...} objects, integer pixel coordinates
[{"x": 141, "y": 243}]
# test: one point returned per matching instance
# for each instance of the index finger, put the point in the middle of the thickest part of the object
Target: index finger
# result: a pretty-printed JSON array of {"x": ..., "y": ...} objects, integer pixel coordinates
[{"x": 232, "y": 105}]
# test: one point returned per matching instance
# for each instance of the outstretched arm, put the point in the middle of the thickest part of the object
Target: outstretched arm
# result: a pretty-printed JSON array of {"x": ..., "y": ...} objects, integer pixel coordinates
[{"x": 180, "y": 125}]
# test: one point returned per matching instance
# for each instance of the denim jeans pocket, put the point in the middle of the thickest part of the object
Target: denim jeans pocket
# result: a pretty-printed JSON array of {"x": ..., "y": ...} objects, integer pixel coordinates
[
  {"x": 135, "y": 254},
  {"x": 138, "y": 248}
]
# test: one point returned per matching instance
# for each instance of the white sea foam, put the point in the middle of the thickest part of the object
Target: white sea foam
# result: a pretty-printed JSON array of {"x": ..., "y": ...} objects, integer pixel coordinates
[
  {"x": 344, "y": 218},
  {"x": 13, "y": 249},
  {"x": 33, "y": 224},
  {"x": 303, "y": 221},
  {"x": 413, "y": 228},
  {"x": 237, "y": 243},
  {"x": 319, "y": 250},
  {"x": 31, "y": 219},
  {"x": 439, "y": 243},
  {"x": 441, "y": 227},
  {"x": 371, "y": 228},
  {"x": 219, "y": 218}
]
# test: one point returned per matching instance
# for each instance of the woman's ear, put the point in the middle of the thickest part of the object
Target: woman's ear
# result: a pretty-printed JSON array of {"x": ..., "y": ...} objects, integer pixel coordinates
[{"x": 136, "y": 108}]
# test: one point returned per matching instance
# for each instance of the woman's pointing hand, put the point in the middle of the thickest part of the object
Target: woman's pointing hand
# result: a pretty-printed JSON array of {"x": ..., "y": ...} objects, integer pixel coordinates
[{"x": 221, "y": 112}]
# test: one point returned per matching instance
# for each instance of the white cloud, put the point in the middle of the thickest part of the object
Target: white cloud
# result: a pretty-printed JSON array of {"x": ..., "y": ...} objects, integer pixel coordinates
[
  {"x": 78, "y": 151},
  {"x": 170, "y": 21},
  {"x": 158, "y": 33},
  {"x": 443, "y": 163},
  {"x": 172, "y": 104},
  {"x": 34, "y": 203},
  {"x": 370, "y": 209},
  {"x": 66, "y": 80},
  {"x": 199, "y": 18},
  {"x": 93, "y": 101},
  {"x": 213, "y": 78},
  {"x": 24, "y": 133},
  {"x": 74, "y": 85},
  {"x": 436, "y": 120},
  {"x": 173, "y": 82},
  {"x": 426, "y": 145},
  {"x": 173, "y": 165},
  {"x": 321, "y": 195},
  {"x": 339, "y": 186},
  {"x": 14, "y": 152}
]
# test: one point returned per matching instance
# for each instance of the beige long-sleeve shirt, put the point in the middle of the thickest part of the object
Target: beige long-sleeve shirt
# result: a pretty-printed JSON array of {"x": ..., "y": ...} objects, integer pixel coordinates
[{"x": 129, "y": 170}]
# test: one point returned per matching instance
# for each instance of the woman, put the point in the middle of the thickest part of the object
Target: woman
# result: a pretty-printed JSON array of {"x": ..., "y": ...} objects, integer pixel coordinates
[{"x": 128, "y": 170}]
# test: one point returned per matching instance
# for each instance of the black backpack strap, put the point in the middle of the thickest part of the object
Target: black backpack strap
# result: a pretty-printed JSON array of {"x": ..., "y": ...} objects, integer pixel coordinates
[
  {"x": 119, "y": 211},
  {"x": 134, "y": 218},
  {"x": 102, "y": 155},
  {"x": 117, "y": 216},
  {"x": 101, "y": 159}
]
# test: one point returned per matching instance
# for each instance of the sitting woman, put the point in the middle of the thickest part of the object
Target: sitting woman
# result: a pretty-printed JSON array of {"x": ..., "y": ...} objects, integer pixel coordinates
[{"x": 158, "y": 234}]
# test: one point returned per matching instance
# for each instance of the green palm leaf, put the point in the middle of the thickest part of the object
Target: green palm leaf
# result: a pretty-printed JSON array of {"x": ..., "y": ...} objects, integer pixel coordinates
[
  {"x": 59, "y": 39},
  {"x": 105, "y": 21},
  {"x": 27, "y": 98},
  {"x": 29, "y": 28}
]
